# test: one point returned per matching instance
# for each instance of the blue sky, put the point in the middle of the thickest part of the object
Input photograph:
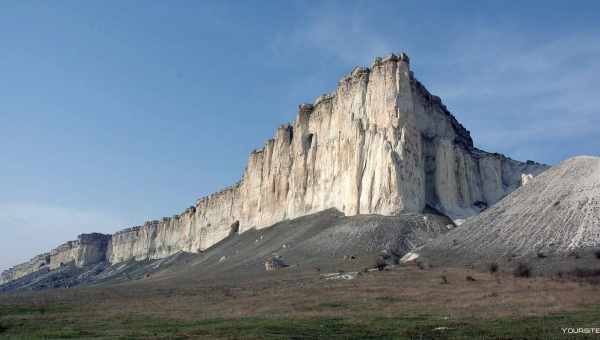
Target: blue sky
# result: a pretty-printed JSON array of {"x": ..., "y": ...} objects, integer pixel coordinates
[{"x": 115, "y": 112}]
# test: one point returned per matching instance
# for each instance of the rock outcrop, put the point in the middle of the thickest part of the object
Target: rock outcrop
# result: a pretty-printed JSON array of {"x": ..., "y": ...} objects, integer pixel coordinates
[
  {"x": 87, "y": 249},
  {"x": 379, "y": 144},
  {"x": 310, "y": 244},
  {"x": 556, "y": 213},
  {"x": 275, "y": 262}
]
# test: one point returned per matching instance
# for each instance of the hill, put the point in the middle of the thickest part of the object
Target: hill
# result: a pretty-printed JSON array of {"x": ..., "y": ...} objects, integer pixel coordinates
[
  {"x": 556, "y": 216},
  {"x": 380, "y": 143},
  {"x": 327, "y": 241}
]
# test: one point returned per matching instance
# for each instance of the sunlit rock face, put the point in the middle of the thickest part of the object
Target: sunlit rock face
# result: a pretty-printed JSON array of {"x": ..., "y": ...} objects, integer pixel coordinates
[{"x": 379, "y": 144}]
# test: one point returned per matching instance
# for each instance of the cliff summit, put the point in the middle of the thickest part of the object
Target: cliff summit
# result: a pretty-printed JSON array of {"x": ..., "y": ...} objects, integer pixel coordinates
[{"x": 380, "y": 143}]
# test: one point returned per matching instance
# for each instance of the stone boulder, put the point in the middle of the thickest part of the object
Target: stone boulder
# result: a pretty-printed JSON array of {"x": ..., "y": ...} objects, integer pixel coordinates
[{"x": 275, "y": 262}]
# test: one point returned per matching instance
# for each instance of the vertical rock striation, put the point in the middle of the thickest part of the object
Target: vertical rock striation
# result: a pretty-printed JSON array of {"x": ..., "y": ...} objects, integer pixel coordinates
[{"x": 379, "y": 144}]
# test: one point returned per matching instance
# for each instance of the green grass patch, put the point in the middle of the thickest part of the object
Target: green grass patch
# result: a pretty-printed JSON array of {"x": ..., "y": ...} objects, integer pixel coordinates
[
  {"x": 20, "y": 310},
  {"x": 19, "y": 322}
]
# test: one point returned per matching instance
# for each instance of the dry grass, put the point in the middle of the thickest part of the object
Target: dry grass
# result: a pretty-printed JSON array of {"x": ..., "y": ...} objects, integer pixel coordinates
[
  {"x": 304, "y": 294},
  {"x": 404, "y": 290}
]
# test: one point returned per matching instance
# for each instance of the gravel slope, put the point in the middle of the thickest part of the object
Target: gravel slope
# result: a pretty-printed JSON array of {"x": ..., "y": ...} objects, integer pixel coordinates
[
  {"x": 326, "y": 241},
  {"x": 554, "y": 215}
]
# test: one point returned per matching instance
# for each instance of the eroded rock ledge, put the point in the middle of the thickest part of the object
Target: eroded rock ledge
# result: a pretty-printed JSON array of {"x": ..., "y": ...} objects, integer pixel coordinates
[
  {"x": 87, "y": 249},
  {"x": 379, "y": 144}
]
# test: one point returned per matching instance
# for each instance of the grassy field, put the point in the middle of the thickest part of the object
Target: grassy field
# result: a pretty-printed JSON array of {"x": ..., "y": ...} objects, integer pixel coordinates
[
  {"x": 404, "y": 303},
  {"x": 41, "y": 323}
]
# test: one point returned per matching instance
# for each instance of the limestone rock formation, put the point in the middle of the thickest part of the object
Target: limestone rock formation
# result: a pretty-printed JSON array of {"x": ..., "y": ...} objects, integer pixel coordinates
[
  {"x": 312, "y": 243},
  {"x": 556, "y": 213},
  {"x": 87, "y": 249},
  {"x": 379, "y": 144}
]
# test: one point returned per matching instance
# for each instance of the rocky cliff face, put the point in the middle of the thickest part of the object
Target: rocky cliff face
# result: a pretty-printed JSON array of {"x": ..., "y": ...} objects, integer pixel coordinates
[
  {"x": 87, "y": 249},
  {"x": 554, "y": 214},
  {"x": 379, "y": 144}
]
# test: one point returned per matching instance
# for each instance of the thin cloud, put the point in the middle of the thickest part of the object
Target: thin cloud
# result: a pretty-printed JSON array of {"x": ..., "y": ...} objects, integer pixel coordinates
[
  {"x": 512, "y": 93},
  {"x": 509, "y": 89}
]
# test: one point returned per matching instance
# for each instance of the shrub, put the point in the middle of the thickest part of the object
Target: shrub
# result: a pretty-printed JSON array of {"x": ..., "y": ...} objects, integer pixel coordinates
[
  {"x": 380, "y": 263},
  {"x": 597, "y": 253},
  {"x": 586, "y": 273},
  {"x": 541, "y": 255},
  {"x": 444, "y": 280},
  {"x": 396, "y": 255},
  {"x": 522, "y": 270},
  {"x": 470, "y": 278},
  {"x": 493, "y": 267}
]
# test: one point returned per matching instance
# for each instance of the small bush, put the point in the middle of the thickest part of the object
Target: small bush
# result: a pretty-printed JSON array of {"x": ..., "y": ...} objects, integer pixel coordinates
[
  {"x": 597, "y": 253},
  {"x": 586, "y": 273},
  {"x": 541, "y": 255},
  {"x": 380, "y": 263},
  {"x": 522, "y": 270},
  {"x": 493, "y": 267},
  {"x": 396, "y": 255},
  {"x": 470, "y": 278},
  {"x": 421, "y": 265},
  {"x": 444, "y": 280}
]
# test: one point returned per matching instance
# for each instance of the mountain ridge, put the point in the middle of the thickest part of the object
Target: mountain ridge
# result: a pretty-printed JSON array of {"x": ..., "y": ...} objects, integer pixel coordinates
[{"x": 379, "y": 144}]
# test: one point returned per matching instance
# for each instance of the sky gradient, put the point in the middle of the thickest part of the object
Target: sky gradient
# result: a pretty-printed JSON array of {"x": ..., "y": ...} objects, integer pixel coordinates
[{"x": 116, "y": 112}]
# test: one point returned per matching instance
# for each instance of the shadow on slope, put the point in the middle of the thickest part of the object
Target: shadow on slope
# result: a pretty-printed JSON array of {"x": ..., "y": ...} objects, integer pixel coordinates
[
  {"x": 326, "y": 241},
  {"x": 552, "y": 224}
]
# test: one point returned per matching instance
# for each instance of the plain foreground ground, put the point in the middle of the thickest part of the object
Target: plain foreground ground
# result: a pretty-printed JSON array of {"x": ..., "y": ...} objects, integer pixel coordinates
[{"x": 404, "y": 302}]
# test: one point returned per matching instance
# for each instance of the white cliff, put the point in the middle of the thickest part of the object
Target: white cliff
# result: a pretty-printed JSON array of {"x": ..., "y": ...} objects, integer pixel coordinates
[
  {"x": 555, "y": 213},
  {"x": 379, "y": 144},
  {"x": 87, "y": 249}
]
